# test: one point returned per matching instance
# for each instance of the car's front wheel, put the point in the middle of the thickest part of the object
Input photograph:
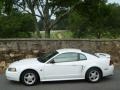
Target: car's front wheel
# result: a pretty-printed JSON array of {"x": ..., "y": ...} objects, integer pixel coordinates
[
  {"x": 29, "y": 77},
  {"x": 93, "y": 75}
]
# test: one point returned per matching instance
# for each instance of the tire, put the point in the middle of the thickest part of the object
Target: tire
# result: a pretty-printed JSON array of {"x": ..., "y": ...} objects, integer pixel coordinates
[
  {"x": 29, "y": 78},
  {"x": 93, "y": 75}
]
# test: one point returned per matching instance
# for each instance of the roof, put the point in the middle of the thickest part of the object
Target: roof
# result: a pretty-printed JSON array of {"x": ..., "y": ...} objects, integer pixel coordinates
[{"x": 68, "y": 50}]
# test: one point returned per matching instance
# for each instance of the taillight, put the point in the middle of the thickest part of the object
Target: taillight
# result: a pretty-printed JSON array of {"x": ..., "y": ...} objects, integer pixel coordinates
[{"x": 111, "y": 62}]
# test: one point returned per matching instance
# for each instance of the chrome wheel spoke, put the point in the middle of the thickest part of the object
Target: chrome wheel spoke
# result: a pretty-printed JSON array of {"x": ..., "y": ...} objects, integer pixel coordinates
[
  {"x": 29, "y": 78},
  {"x": 94, "y": 75}
]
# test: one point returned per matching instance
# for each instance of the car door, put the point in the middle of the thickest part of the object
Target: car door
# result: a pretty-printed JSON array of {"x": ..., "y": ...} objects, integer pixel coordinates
[{"x": 64, "y": 66}]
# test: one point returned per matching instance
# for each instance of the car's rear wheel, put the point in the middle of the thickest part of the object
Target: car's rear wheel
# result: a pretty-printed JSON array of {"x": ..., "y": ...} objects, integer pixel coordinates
[
  {"x": 93, "y": 75},
  {"x": 29, "y": 77}
]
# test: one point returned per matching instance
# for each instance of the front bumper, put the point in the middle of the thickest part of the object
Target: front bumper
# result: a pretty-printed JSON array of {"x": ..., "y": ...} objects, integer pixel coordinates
[{"x": 14, "y": 76}]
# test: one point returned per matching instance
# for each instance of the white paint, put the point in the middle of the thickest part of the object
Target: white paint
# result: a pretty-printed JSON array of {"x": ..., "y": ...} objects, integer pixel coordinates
[{"x": 64, "y": 70}]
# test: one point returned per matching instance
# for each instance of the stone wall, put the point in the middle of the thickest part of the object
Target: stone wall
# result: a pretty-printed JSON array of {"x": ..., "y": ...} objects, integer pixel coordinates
[{"x": 16, "y": 49}]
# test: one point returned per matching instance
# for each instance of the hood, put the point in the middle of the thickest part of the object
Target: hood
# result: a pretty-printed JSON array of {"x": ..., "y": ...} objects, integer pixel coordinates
[{"x": 26, "y": 62}]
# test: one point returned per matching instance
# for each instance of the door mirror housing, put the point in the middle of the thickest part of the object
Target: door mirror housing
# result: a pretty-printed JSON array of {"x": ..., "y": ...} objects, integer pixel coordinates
[{"x": 52, "y": 61}]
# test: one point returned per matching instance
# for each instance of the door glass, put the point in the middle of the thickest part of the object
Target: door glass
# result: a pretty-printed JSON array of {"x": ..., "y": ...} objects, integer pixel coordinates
[{"x": 66, "y": 57}]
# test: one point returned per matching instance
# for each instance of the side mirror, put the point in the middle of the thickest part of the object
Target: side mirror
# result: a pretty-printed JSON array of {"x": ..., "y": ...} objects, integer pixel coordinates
[{"x": 52, "y": 62}]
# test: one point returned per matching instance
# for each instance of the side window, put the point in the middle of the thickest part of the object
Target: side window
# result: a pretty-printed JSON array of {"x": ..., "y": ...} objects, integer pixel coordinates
[
  {"x": 66, "y": 57},
  {"x": 83, "y": 57}
]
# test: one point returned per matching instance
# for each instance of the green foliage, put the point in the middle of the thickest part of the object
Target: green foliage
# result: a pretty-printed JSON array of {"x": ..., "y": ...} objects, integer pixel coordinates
[
  {"x": 1, "y": 6},
  {"x": 8, "y": 6},
  {"x": 59, "y": 34},
  {"x": 17, "y": 25},
  {"x": 114, "y": 21},
  {"x": 63, "y": 3},
  {"x": 77, "y": 24},
  {"x": 88, "y": 18},
  {"x": 95, "y": 19}
]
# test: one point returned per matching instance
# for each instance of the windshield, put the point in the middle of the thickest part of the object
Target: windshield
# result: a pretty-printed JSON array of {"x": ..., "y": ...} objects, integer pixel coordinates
[{"x": 47, "y": 56}]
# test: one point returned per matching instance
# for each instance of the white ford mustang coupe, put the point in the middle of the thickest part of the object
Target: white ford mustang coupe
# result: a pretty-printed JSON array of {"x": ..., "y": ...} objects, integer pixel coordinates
[{"x": 62, "y": 64}]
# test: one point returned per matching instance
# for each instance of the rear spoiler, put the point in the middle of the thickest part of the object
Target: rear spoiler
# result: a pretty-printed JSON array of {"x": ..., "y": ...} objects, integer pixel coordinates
[{"x": 102, "y": 55}]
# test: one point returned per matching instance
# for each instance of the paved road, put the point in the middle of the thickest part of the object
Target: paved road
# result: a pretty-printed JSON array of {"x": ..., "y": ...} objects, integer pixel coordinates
[{"x": 109, "y": 83}]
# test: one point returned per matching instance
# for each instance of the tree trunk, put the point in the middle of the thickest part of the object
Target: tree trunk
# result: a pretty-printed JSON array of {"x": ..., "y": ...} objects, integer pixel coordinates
[
  {"x": 47, "y": 33},
  {"x": 37, "y": 31},
  {"x": 46, "y": 21},
  {"x": 99, "y": 35},
  {"x": 46, "y": 28}
]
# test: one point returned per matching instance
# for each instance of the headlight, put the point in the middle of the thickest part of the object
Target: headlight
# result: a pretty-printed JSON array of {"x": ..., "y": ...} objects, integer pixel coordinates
[{"x": 12, "y": 69}]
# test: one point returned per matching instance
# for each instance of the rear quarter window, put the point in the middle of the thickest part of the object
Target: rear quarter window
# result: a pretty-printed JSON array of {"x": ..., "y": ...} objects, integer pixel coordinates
[{"x": 82, "y": 57}]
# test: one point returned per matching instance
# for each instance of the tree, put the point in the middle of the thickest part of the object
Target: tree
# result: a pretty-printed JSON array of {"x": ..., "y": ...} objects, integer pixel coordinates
[
  {"x": 92, "y": 17},
  {"x": 6, "y": 6},
  {"x": 114, "y": 21},
  {"x": 98, "y": 13},
  {"x": 46, "y": 10},
  {"x": 1, "y": 5},
  {"x": 16, "y": 25},
  {"x": 78, "y": 24}
]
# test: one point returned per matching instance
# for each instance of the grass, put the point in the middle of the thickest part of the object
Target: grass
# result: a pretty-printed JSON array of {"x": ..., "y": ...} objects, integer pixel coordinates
[{"x": 59, "y": 34}]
